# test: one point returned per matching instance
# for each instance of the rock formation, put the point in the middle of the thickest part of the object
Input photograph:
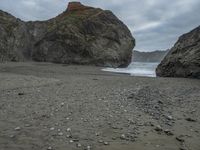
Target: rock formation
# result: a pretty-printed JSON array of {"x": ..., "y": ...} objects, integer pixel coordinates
[
  {"x": 183, "y": 60},
  {"x": 14, "y": 39},
  {"x": 76, "y": 6},
  {"x": 80, "y": 35}
]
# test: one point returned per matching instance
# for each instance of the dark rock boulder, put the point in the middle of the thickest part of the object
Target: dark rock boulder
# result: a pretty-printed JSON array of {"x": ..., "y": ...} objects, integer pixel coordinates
[
  {"x": 80, "y": 35},
  {"x": 183, "y": 60}
]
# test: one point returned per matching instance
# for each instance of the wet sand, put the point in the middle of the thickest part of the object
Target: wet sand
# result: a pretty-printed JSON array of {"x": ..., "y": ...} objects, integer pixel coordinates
[{"x": 52, "y": 106}]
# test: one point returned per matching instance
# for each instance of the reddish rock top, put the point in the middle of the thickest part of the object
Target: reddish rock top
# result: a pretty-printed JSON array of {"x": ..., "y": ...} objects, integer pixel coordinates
[{"x": 76, "y": 6}]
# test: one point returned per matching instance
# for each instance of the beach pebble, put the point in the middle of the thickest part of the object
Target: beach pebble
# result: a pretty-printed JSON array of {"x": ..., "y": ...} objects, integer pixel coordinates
[
  {"x": 88, "y": 147},
  {"x": 27, "y": 125},
  {"x": 100, "y": 141},
  {"x": 52, "y": 128},
  {"x": 106, "y": 143},
  {"x": 123, "y": 137},
  {"x": 125, "y": 111},
  {"x": 97, "y": 133},
  {"x": 169, "y": 117},
  {"x": 78, "y": 145},
  {"x": 68, "y": 136},
  {"x": 158, "y": 128},
  {"x": 18, "y": 128},
  {"x": 49, "y": 148},
  {"x": 68, "y": 129},
  {"x": 60, "y": 134},
  {"x": 71, "y": 141},
  {"x": 12, "y": 136},
  {"x": 168, "y": 132}
]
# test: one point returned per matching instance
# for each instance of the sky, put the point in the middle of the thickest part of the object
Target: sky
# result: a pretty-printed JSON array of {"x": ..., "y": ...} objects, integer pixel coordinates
[{"x": 155, "y": 24}]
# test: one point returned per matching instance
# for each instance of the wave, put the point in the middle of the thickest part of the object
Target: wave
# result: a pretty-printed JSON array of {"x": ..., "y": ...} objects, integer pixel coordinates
[{"x": 136, "y": 69}]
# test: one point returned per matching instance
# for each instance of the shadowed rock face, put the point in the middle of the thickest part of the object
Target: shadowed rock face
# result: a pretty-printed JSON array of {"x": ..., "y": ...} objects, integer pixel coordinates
[
  {"x": 80, "y": 35},
  {"x": 183, "y": 60}
]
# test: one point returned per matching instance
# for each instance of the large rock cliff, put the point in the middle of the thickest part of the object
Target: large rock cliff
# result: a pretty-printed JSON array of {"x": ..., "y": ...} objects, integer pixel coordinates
[
  {"x": 14, "y": 39},
  {"x": 80, "y": 35},
  {"x": 183, "y": 60}
]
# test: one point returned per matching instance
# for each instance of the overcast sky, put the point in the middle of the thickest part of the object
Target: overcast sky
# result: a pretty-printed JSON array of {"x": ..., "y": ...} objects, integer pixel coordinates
[{"x": 156, "y": 24}]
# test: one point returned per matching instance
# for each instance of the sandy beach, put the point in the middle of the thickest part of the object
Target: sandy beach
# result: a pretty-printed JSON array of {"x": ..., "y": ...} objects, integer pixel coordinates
[{"x": 46, "y": 106}]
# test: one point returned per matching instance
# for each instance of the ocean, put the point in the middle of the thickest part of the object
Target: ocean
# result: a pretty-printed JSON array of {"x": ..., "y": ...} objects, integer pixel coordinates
[{"x": 137, "y": 69}]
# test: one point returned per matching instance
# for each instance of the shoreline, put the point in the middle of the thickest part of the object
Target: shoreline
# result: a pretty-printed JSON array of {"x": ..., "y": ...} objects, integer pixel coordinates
[{"x": 53, "y": 106}]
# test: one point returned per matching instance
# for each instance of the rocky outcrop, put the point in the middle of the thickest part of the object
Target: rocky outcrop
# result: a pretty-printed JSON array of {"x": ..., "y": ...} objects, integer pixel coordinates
[
  {"x": 80, "y": 35},
  {"x": 154, "y": 56},
  {"x": 183, "y": 60},
  {"x": 14, "y": 39},
  {"x": 76, "y": 6}
]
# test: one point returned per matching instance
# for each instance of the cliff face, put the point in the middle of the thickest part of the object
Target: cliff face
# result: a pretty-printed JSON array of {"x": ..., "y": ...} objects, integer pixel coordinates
[
  {"x": 183, "y": 60},
  {"x": 80, "y": 35},
  {"x": 155, "y": 56},
  {"x": 14, "y": 38}
]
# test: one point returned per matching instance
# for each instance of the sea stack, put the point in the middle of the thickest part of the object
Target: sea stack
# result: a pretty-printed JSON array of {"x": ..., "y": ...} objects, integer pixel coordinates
[
  {"x": 183, "y": 60},
  {"x": 80, "y": 35}
]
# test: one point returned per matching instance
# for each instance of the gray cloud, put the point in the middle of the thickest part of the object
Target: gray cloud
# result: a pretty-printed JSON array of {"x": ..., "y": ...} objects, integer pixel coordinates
[{"x": 156, "y": 24}]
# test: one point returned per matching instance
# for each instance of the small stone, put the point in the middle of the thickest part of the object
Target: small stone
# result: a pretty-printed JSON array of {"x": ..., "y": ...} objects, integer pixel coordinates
[
  {"x": 114, "y": 138},
  {"x": 68, "y": 129},
  {"x": 68, "y": 136},
  {"x": 79, "y": 145},
  {"x": 62, "y": 104},
  {"x": 88, "y": 147},
  {"x": 123, "y": 137},
  {"x": 49, "y": 148},
  {"x": 18, "y": 128},
  {"x": 168, "y": 132},
  {"x": 52, "y": 128},
  {"x": 12, "y": 136},
  {"x": 60, "y": 134},
  {"x": 157, "y": 146},
  {"x": 100, "y": 141},
  {"x": 106, "y": 143},
  {"x": 169, "y": 117},
  {"x": 158, "y": 128},
  {"x": 97, "y": 134},
  {"x": 27, "y": 125},
  {"x": 71, "y": 141}
]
